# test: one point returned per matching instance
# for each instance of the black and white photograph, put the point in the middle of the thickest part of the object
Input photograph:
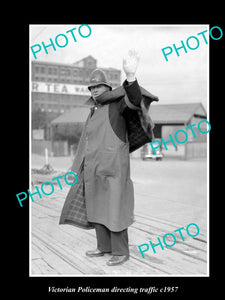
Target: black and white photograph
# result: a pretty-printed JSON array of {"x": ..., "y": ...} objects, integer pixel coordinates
[{"x": 119, "y": 150}]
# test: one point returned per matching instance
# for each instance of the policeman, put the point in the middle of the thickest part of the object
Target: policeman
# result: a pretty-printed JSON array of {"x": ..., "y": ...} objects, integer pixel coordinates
[{"x": 103, "y": 197}]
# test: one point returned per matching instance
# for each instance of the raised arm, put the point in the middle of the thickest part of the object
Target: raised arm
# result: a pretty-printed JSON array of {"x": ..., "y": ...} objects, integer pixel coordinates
[{"x": 130, "y": 64}]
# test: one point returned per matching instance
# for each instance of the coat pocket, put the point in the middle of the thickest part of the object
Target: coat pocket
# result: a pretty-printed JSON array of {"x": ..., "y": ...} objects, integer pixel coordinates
[{"x": 107, "y": 163}]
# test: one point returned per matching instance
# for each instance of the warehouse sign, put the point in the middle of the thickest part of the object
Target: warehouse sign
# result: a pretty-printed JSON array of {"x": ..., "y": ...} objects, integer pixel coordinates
[{"x": 59, "y": 88}]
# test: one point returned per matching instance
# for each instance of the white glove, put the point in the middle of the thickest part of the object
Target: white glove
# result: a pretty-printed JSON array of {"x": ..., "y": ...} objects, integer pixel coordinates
[{"x": 130, "y": 64}]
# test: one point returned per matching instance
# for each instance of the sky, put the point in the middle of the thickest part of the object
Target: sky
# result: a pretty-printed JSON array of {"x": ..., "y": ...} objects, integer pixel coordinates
[{"x": 181, "y": 79}]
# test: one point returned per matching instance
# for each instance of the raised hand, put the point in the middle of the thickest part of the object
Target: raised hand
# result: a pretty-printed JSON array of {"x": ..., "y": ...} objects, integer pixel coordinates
[{"x": 130, "y": 64}]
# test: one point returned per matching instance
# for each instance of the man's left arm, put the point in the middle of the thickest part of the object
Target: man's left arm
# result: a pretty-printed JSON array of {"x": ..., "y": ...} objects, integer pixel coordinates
[{"x": 133, "y": 94}]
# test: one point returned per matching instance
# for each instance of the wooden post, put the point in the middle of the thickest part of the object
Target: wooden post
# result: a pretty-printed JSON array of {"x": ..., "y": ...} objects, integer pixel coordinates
[{"x": 46, "y": 156}]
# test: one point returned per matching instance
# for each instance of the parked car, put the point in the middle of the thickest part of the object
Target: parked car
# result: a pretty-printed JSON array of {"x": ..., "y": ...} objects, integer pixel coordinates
[{"x": 147, "y": 153}]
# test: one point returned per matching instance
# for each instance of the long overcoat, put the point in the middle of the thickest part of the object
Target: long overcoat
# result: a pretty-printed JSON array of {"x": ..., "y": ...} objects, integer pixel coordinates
[{"x": 104, "y": 191}]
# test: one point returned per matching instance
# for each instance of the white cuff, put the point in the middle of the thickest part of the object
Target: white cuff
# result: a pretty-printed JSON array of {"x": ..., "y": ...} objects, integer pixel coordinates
[{"x": 130, "y": 77}]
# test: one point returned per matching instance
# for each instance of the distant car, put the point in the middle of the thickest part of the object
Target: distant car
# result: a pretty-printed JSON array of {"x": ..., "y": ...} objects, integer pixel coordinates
[{"x": 147, "y": 153}]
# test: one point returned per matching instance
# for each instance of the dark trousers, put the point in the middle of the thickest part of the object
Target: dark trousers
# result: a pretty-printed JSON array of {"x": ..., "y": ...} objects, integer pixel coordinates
[{"x": 110, "y": 241}]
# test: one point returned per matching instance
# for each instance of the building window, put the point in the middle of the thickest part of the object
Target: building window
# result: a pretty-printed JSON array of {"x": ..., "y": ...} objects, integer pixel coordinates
[{"x": 55, "y": 71}]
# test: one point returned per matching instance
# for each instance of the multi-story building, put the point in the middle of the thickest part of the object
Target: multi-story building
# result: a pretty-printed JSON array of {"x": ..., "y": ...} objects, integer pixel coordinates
[{"x": 56, "y": 87}]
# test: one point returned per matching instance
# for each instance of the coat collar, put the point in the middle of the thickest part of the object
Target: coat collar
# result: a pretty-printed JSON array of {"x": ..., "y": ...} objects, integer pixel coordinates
[{"x": 116, "y": 94}]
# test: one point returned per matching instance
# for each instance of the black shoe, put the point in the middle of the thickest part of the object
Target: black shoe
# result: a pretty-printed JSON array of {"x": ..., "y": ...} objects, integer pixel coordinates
[
  {"x": 117, "y": 260},
  {"x": 94, "y": 253}
]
